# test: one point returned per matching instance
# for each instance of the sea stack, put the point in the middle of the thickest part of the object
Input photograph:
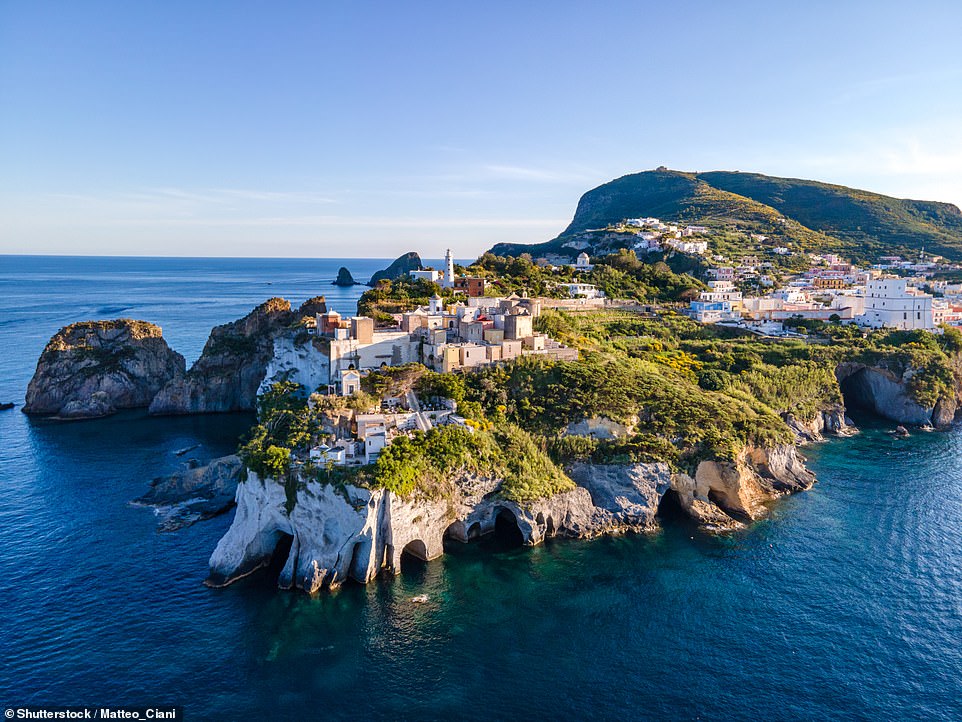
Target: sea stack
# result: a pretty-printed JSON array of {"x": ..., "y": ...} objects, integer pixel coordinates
[
  {"x": 344, "y": 278},
  {"x": 94, "y": 368}
]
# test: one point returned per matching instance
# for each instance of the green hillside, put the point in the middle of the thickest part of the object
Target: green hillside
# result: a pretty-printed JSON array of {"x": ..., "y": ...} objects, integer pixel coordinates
[
  {"x": 876, "y": 221},
  {"x": 804, "y": 215}
]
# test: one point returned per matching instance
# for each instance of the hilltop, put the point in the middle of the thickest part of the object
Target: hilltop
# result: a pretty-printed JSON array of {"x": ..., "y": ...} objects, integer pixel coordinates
[{"x": 805, "y": 215}]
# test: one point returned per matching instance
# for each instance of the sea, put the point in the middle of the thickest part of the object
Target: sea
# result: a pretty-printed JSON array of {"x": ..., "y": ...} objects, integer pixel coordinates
[{"x": 845, "y": 603}]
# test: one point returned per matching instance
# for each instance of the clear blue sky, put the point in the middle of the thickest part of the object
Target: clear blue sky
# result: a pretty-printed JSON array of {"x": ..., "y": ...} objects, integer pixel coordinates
[{"x": 361, "y": 128}]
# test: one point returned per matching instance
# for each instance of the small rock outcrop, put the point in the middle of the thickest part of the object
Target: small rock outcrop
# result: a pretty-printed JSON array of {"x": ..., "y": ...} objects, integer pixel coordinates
[
  {"x": 231, "y": 366},
  {"x": 95, "y": 368},
  {"x": 831, "y": 421},
  {"x": 344, "y": 278},
  {"x": 723, "y": 494},
  {"x": 410, "y": 261},
  {"x": 194, "y": 493}
]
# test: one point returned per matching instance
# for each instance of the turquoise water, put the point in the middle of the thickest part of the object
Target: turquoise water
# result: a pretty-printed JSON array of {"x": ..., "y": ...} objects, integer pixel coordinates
[{"x": 845, "y": 603}]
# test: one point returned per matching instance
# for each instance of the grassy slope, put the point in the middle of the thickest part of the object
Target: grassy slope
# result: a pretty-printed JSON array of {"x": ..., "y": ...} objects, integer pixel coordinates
[
  {"x": 821, "y": 217},
  {"x": 879, "y": 221}
]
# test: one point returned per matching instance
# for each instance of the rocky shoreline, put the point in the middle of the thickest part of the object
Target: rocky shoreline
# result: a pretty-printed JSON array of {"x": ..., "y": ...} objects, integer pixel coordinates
[
  {"x": 337, "y": 533},
  {"x": 340, "y": 533}
]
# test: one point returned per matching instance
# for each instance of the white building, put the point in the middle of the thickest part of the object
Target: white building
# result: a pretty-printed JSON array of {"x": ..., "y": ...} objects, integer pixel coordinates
[
  {"x": 721, "y": 291},
  {"x": 448, "y": 281},
  {"x": 697, "y": 248},
  {"x": 582, "y": 290},
  {"x": 427, "y": 274},
  {"x": 890, "y": 303},
  {"x": 584, "y": 262}
]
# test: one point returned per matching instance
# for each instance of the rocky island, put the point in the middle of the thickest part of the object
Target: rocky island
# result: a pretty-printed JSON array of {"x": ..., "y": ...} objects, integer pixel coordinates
[
  {"x": 95, "y": 368},
  {"x": 345, "y": 279}
]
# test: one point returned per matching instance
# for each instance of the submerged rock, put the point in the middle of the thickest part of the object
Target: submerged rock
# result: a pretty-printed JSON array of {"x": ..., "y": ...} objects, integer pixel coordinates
[
  {"x": 194, "y": 493},
  {"x": 94, "y": 368}
]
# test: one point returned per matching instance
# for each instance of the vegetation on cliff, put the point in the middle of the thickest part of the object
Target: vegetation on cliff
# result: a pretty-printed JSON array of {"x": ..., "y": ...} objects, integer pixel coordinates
[
  {"x": 785, "y": 375},
  {"x": 422, "y": 464}
]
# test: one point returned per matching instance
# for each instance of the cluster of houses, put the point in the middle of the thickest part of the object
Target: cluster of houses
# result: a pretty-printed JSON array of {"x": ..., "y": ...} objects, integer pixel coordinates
[
  {"x": 832, "y": 289},
  {"x": 654, "y": 236},
  {"x": 369, "y": 433},
  {"x": 472, "y": 330},
  {"x": 444, "y": 336}
]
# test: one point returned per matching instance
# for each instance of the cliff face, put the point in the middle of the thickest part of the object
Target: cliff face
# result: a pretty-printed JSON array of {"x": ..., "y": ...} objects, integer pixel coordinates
[
  {"x": 886, "y": 393},
  {"x": 356, "y": 533},
  {"x": 723, "y": 495},
  {"x": 829, "y": 421},
  {"x": 295, "y": 360},
  {"x": 231, "y": 367},
  {"x": 94, "y": 368}
]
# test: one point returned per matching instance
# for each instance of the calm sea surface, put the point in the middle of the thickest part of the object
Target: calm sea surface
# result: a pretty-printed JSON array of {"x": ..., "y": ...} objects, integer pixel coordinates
[{"x": 845, "y": 603}]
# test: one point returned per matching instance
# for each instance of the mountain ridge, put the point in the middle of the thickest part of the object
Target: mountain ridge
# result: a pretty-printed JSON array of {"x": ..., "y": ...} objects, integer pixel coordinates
[{"x": 809, "y": 215}]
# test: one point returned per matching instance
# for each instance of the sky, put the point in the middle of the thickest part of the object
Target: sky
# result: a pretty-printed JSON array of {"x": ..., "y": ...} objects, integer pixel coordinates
[{"x": 322, "y": 129}]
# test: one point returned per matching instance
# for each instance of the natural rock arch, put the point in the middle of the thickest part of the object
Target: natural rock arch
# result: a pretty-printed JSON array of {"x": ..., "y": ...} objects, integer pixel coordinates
[{"x": 414, "y": 555}]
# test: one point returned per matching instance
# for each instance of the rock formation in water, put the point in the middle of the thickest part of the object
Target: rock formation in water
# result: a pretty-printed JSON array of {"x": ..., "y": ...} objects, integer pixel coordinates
[
  {"x": 887, "y": 392},
  {"x": 724, "y": 494},
  {"x": 345, "y": 279},
  {"x": 410, "y": 261},
  {"x": 337, "y": 533},
  {"x": 230, "y": 369},
  {"x": 194, "y": 493},
  {"x": 350, "y": 532},
  {"x": 94, "y": 368},
  {"x": 828, "y": 421}
]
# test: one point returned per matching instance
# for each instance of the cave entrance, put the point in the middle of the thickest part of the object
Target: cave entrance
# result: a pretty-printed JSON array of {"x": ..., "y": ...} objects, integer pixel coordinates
[
  {"x": 282, "y": 550},
  {"x": 857, "y": 391},
  {"x": 414, "y": 557},
  {"x": 670, "y": 508},
  {"x": 507, "y": 533}
]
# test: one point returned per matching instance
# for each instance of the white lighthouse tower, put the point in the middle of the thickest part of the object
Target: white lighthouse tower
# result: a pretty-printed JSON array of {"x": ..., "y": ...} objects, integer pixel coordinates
[{"x": 448, "y": 280}]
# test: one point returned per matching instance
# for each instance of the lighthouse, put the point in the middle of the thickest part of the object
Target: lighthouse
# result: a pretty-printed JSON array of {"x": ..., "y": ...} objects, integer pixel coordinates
[{"x": 448, "y": 280}]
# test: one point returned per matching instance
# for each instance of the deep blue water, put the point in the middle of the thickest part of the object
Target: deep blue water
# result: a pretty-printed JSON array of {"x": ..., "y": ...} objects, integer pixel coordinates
[{"x": 845, "y": 603}]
